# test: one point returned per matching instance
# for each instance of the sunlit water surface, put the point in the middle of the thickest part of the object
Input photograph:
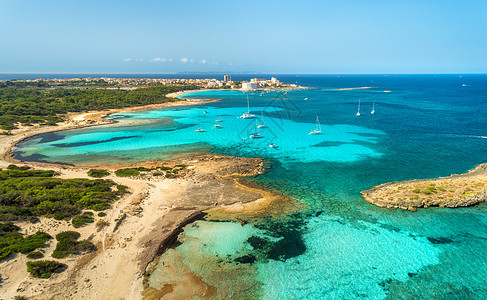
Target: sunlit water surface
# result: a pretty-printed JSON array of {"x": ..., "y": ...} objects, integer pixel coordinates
[{"x": 423, "y": 126}]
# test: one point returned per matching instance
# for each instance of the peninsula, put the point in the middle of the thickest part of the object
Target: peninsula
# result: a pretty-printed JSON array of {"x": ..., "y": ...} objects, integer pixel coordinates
[{"x": 454, "y": 191}]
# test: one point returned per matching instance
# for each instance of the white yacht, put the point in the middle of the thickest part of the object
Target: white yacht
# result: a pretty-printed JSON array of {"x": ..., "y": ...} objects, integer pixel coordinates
[
  {"x": 318, "y": 127},
  {"x": 247, "y": 115}
]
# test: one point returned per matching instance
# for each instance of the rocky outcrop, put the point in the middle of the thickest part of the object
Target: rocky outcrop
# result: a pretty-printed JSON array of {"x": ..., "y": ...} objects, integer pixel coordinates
[{"x": 454, "y": 191}]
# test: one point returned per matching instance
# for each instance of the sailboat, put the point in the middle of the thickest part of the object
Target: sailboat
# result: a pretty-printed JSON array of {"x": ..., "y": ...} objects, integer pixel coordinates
[
  {"x": 247, "y": 115},
  {"x": 262, "y": 125},
  {"x": 318, "y": 127},
  {"x": 358, "y": 112},
  {"x": 255, "y": 134},
  {"x": 373, "y": 108}
]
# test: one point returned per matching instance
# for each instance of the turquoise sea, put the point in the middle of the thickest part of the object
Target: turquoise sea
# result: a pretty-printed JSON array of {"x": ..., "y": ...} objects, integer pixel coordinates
[{"x": 424, "y": 126}]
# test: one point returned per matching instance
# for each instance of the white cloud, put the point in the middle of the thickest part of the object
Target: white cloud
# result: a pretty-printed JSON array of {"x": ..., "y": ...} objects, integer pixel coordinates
[
  {"x": 203, "y": 61},
  {"x": 158, "y": 59},
  {"x": 230, "y": 64},
  {"x": 139, "y": 59},
  {"x": 170, "y": 60},
  {"x": 127, "y": 59},
  {"x": 191, "y": 61},
  {"x": 184, "y": 60}
]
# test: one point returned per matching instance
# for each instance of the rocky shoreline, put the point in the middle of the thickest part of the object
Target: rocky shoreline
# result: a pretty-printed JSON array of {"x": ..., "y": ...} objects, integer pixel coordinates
[{"x": 457, "y": 190}]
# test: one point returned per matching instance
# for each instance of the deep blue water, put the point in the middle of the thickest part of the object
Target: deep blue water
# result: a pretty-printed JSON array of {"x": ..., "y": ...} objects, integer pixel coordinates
[{"x": 424, "y": 126}]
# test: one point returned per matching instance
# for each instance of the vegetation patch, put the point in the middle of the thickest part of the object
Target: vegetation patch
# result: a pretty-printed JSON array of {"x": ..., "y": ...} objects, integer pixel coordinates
[
  {"x": 97, "y": 173},
  {"x": 68, "y": 245},
  {"x": 82, "y": 220},
  {"x": 11, "y": 241},
  {"x": 26, "y": 103},
  {"x": 45, "y": 268},
  {"x": 28, "y": 194},
  {"x": 35, "y": 255},
  {"x": 127, "y": 172},
  {"x": 101, "y": 224}
]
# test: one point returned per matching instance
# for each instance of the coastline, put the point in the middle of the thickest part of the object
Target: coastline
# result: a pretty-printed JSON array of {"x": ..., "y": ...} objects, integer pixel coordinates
[
  {"x": 456, "y": 190},
  {"x": 75, "y": 121},
  {"x": 153, "y": 215}
]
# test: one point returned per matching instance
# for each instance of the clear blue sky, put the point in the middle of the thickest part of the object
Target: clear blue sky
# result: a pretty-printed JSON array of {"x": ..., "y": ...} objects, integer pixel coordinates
[{"x": 339, "y": 36}]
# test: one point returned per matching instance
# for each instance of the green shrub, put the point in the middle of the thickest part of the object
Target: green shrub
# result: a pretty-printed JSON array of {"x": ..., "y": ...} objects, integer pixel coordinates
[
  {"x": 20, "y": 298},
  {"x": 163, "y": 168},
  {"x": 143, "y": 169},
  {"x": 68, "y": 244},
  {"x": 69, "y": 235},
  {"x": 44, "y": 268},
  {"x": 35, "y": 255},
  {"x": 183, "y": 166},
  {"x": 14, "y": 242},
  {"x": 127, "y": 172},
  {"x": 100, "y": 206},
  {"x": 101, "y": 214},
  {"x": 157, "y": 174},
  {"x": 441, "y": 189},
  {"x": 82, "y": 220},
  {"x": 21, "y": 168},
  {"x": 427, "y": 192},
  {"x": 27, "y": 194},
  {"x": 101, "y": 223},
  {"x": 122, "y": 189},
  {"x": 8, "y": 228},
  {"x": 416, "y": 191},
  {"x": 98, "y": 173}
]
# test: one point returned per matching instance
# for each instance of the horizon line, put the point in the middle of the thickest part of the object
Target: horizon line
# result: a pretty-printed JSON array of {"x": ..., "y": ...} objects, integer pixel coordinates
[{"x": 240, "y": 73}]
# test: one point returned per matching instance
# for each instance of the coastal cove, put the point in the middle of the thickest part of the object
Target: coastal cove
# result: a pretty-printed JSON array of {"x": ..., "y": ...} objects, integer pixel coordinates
[
  {"x": 154, "y": 213},
  {"x": 318, "y": 239}
]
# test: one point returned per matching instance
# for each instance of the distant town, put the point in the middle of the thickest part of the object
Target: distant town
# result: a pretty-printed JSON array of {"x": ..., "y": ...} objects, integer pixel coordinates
[{"x": 135, "y": 83}]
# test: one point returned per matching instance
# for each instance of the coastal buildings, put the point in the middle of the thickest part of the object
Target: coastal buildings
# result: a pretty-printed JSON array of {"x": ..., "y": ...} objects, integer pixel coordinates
[
  {"x": 258, "y": 83},
  {"x": 214, "y": 83},
  {"x": 249, "y": 86},
  {"x": 136, "y": 83}
]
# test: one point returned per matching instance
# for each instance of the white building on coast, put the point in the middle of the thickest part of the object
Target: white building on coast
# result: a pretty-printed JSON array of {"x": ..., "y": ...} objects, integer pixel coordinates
[{"x": 249, "y": 86}]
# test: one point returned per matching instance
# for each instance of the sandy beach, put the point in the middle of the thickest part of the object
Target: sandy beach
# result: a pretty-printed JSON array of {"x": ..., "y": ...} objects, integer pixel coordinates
[{"x": 152, "y": 215}]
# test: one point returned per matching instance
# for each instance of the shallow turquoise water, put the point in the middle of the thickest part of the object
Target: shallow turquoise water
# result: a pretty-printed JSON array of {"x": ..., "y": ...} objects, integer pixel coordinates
[{"x": 426, "y": 126}]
